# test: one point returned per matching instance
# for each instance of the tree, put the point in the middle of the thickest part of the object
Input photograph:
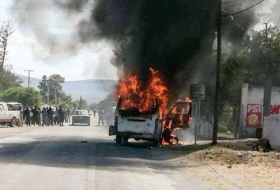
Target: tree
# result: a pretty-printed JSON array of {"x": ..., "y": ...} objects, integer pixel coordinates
[
  {"x": 81, "y": 104},
  {"x": 53, "y": 85},
  {"x": 26, "y": 96},
  {"x": 55, "y": 88},
  {"x": 8, "y": 79},
  {"x": 261, "y": 53},
  {"x": 43, "y": 86},
  {"x": 5, "y": 32}
]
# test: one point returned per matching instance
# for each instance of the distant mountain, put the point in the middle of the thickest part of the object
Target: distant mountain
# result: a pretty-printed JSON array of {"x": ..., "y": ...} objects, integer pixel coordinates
[{"x": 92, "y": 90}]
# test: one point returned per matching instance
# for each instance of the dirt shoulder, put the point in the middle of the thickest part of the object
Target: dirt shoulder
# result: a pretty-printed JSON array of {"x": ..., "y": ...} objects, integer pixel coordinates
[{"x": 233, "y": 164}]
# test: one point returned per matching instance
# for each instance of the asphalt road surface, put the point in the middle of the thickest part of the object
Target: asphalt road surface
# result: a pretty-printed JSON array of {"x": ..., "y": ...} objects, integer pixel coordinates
[{"x": 85, "y": 158}]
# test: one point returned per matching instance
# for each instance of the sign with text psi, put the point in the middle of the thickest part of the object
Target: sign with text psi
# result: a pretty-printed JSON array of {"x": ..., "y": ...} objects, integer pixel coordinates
[{"x": 254, "y": 116}]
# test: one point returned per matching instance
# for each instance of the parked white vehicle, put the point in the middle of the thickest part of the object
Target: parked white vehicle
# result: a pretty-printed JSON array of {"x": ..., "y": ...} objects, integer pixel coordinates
[{"x": 10, "y": 113}]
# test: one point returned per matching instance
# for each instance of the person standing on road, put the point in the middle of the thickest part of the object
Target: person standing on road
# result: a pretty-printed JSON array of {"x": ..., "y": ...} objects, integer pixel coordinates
[
  {"x": 56, "y": 117},
  {"x": 44, "y": 117},
  {"x": 101, "y": 116},
  {"x": 50, "y": 115},
  {"x": 39, "y": 115},
  {"x": 27, "y": 116},
  {"x": 67, "y": 115},
  {"x": 60, "y": 113},
  {"x": 35, "y": 115},
  {"x": 94, "y": 112},
  {"x": 21, "y": 115}
]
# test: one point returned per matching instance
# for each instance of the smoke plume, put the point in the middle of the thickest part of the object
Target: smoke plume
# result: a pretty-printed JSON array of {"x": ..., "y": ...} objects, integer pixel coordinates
[{"x": 175, "y": 37}]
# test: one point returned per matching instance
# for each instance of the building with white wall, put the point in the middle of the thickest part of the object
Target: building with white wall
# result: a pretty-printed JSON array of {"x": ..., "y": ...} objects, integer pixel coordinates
[{"x": 251, "y": 113}]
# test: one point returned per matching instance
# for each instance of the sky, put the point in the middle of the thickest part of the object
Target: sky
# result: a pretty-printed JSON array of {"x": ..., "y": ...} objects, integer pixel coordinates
[
  {"x": 29, "y": 47},
  {"x": 28, "y": 52}
]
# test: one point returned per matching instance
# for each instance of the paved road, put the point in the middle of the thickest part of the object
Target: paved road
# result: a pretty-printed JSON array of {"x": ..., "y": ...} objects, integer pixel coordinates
[{"x": 55, "y": 158}]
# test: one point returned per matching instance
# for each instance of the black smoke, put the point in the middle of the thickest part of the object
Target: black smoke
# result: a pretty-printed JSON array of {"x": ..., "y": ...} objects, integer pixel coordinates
[{"x": 175, "y": 37}]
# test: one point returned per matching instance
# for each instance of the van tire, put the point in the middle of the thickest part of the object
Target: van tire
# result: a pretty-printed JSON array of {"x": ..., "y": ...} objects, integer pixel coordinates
[
  {"x": 13, "y": 122},
  {"x": 156, "y": 143},
  {"x": 125, "y": 141},
  {"x": 118, "y": 140}
]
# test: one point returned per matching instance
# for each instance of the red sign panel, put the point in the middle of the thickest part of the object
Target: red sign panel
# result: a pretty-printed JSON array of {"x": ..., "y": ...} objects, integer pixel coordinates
[
  {"x": 275, "y": 109},
  {"x": 254, "y": 115}
]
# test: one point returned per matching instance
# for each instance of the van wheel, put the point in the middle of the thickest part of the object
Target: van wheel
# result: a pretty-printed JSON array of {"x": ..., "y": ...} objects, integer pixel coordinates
[
  {"x": 13, "y": 122},
  {"x": 125, "y": 141},
  {"x": 156, "y": 142},
  {"x": 118, "y": 139}
]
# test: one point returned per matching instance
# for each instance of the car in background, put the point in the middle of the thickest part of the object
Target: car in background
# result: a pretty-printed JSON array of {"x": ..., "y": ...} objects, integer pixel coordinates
[
  {"x": 10, "y": 113},
  {"x": 81, "y": 116}
]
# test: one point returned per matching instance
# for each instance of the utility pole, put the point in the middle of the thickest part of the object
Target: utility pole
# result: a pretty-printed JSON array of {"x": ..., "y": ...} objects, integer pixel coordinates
[
  {"x": 219, "y": 54},
  {"x": 29, "y": 76},
  {"x": 268, "y": 80},
  {"x": 55, "y": 97},
  {"x": 81, "y": 102},
  {"x": 48, "y": 93}
]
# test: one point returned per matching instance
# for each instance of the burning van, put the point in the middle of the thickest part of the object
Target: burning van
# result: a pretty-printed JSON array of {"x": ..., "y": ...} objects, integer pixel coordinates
[
  {"x": 149, "y": 125},
  {"x": 141, "y": 111}
]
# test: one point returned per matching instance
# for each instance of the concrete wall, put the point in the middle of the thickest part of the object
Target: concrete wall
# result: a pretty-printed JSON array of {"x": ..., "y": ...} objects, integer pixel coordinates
[
  {"x": 254, "y": 95},
  {"x": 271, "y": 131}
]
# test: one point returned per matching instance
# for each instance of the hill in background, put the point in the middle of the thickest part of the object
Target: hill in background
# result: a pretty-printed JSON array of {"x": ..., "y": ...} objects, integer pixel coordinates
[{"x": 92, "y": 90}]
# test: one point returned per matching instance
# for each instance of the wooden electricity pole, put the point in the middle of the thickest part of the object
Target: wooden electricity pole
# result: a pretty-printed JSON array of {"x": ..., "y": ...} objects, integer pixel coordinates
[
  {"x": 218, "y": 73},
  {"x": 29, "y": 71},
  {"x": 268, "y": 80}
]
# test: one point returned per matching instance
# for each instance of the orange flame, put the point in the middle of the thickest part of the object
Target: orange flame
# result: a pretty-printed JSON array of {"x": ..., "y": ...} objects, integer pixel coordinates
[{"x": 134, "y": 96}]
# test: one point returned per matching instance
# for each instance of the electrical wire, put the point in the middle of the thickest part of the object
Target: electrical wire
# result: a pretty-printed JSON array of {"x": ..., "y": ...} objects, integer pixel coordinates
[
  {"x": 43, "y": 10},
  {"x": 60, "y": 48},
  {"x": 227, "y": 2},
  {"x": 231, "y": 14},
  {"x": 42, "y": 25}
]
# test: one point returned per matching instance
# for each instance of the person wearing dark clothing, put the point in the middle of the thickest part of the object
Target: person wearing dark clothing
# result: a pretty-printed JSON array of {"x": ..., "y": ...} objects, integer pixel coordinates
[
  {"x": 27, "y": 116},
  {"x": 39, "y": 117},
  {"x": 50, "y": 115},
  {"x": 60, "y": 116},
  {"x": 101, "y": 117},
  {"x": 35, "y": 116},
  {"x": 44, "y": 117},
  {"x": 94, "y": 113},
  {"x": 56, "y": 121}
]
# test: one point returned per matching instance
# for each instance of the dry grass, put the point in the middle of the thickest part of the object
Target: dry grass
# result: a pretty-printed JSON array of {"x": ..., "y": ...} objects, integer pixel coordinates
[{"x": 235, "y": 153}]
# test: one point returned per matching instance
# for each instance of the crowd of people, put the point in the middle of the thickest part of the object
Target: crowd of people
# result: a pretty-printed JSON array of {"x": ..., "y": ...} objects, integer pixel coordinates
[
  {"x": 47, "y": 116},
  {"x": 51, "y": 116}
]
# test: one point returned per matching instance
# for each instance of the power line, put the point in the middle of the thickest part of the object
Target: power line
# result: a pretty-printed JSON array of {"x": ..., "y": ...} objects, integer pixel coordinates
[
  {"x": 44, "y": 10},
  {"x": 60, "y": 48},
  {"x": 231, "y": 14},
  {"x": 227, "y": 2},
  {"x": 43, "y": 25}
]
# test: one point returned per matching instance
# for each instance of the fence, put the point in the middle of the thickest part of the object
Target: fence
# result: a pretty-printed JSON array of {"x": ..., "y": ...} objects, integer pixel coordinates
[{"x": 228, "y": 121}]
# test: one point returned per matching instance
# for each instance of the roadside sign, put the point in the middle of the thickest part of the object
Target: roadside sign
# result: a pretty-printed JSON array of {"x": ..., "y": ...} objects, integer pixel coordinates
[
  {"x": 254, "y": 116},
  {"x": 197, "y": 92}
]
